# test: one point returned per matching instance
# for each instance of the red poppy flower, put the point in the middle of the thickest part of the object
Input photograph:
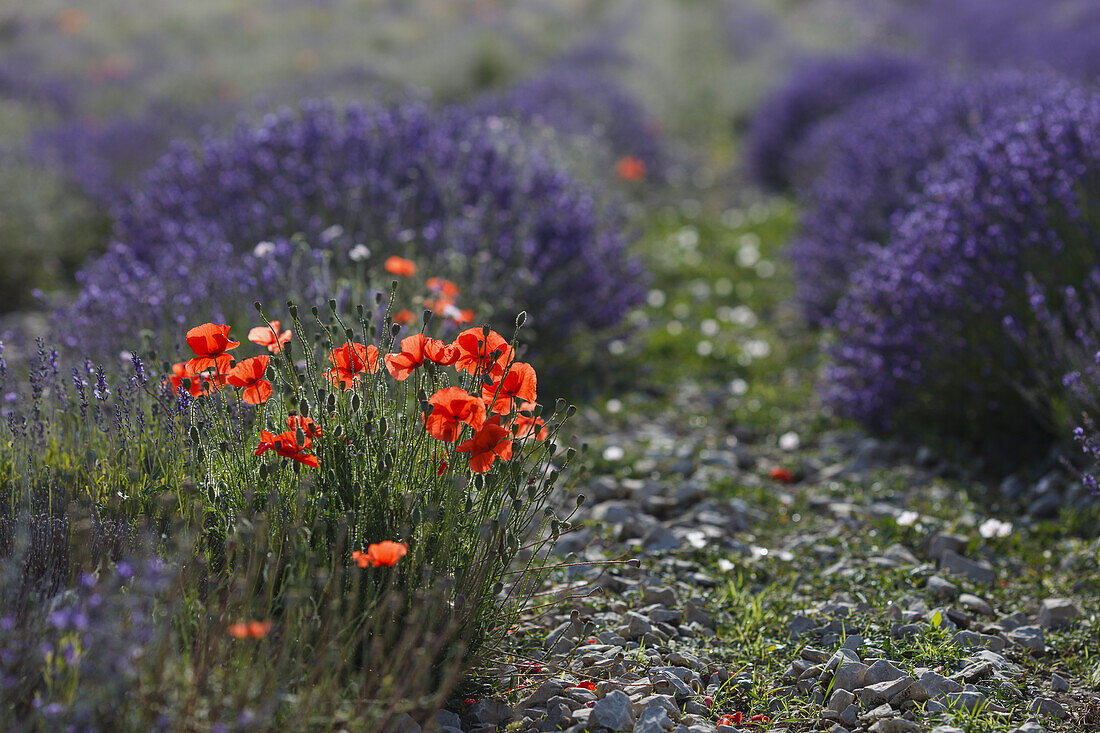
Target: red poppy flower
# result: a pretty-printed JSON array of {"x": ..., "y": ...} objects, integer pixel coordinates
[
  {"x": 210, "y": 341},
  {"x": 180, "y": 373},
  {"x": 526, "y": 424},
  {"x": 475, "y": 351},
  {"x": 286, "y": 445},
  {"x": 734, "y": 719},
  {"x": 249, "y": 374},
  {"x": 403, "y": 316},
  {"x": 401, "y": 365},
  {"x": 631, "y": 169},
  {"x": 381, "y": 554},
  {"x": 308, "y": 426},
  {"x": 400, "y": 266},
  {"x": 250, "y": 629},
  {"x": 518, "y": 383},
  {"x": 270, "y": 337},
  {"x": 439, "y": 352},
  {"x": 442, "y": 468},
  {"x": 349, "y": 361},
  {"x": 446, "y": 288},
  {"x": 781, "y": 474},
  {"x": 451, "y": 408},
  {"x": 587, "y": 685},
  {"x": 489, "y": 443}
]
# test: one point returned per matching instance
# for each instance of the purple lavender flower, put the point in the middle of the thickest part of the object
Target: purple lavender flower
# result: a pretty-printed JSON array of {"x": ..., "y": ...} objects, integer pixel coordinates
[
  {"x": 815, "y": 90},
  {"x": 866, "y": 163},
  {"x": 467, "y": 195},
  {"x": 920, "y": 337}
]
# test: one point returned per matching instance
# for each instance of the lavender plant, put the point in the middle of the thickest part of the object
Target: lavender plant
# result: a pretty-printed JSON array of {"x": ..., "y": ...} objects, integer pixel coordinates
[
  {"x": 465, "y": 196},
  {"x": 815, "y": 90},
  {"x": 866, "y": 163},
  {"x": 921, "y": 343}
]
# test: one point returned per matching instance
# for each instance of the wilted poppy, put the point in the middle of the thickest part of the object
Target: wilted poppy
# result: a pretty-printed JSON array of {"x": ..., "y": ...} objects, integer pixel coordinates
[
  {"x": 490, "y": 442},
  {"x": 528, "y": 424},
  {"x": 250, "y": 629},
  {"x": 401, "y": 365},
  {"x": 630, "y": 168},
  {"x": 249, "y": 374},
  {"x": 308, "y": 426},
  {"x": 286, "y": 445},
  {"x": 381, "y": 554},
  {"x": 400, "y": 266},
  {"x": 518, "y": 383},
  {"x": 270, "y": 337},
  {"x": 210, "y": 341},
  {"x": 476, "y": 350},
  {"x": 349, "y": 361},
  {"x": 451, "y": 408}
]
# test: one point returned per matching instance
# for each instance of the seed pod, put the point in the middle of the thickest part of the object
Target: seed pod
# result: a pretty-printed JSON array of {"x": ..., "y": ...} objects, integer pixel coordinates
[
  {"x": 395, "y": 328},
  {"x": 349, "y": 334}
]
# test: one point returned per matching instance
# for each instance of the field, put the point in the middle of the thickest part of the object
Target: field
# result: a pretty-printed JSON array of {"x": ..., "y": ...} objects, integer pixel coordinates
[{"x": 483, "y": 366}]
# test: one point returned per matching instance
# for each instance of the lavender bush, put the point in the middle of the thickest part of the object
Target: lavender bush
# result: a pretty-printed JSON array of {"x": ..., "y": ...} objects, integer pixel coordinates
[
  {"x": 921, "y": 343},
  {"x": 815, "y": 90},
  {"x": 464, "y": 195},
  {"x": 866, "y": 163},
  {"x": 579, "y": 102}
]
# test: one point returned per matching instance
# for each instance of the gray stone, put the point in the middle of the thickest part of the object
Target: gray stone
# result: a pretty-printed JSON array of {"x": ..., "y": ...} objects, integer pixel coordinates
[
  {"x": 849, "y": 675},
  {"x": 1056, "y": 612},
  {"x": 1030, "y": 638},
  {"x": 542, "y": 694},
  {"x": 1058, "y": 683},
  {"x": 665, "y": 702},
  {"x": 941, "y": 588},
  {"x": 853, "y": 642},
  {"x": 660, "y": 538},
  {"x": 489, "y": 711},
  {"x": 978, "y": 571},
  {"x": 967, "y": 639},
  {"x": 882, "y": 692},
  {"x": 882, "y": 671},
  {"x": 938, "y": 543},
  {"x": 965, "y": 700},
  {"x": 1048, "y": 708},
  {"x": 800, "y": 626},
  {"x": 974, "y": 603},
  {"x": 1030, "y": 727},
  {"x": 947, "y": 729},
  {"x": 895, "y": 725},
  {"x": 615, "y": 711},
  {"x": 840, "y": 699},
  {"x": 850, "y": 715},
  {"x": 654, "y": 719},
  {"x": 447, "y": 719},
  {"x": 934, "y": 684}
]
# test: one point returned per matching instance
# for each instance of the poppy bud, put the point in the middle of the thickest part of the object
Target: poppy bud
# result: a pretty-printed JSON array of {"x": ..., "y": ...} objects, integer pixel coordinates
[
  {"x": 378, "y": 298},
  {"x": 517, "y": 505},
  {"x": 498, "y": 588},
  {"x": 263, "y": 471},
  {"x": 332, "y": 304},
  {"x": 393, "y": 286},
  {"x": 330, "y": 403},
  {"x": 521, "y": 319},
  {"x": 580, "y": 499},
  {"x": 258, "y": 307},
  {"x": 223, "y": 446},
  {"x": 395, "y": 328},
  {"x": 355, "y": 402},
  {"x": 293, "y": 309},
  {"x": 531, "y": 492},
  {"x": 559, "y": 405},
  {"x": 359, "y": 310},
  {"x": 194, "y": 433},
  {"x": 382, "y": 426},
  {"x": 300, "y": 435},
  {"x": 200, "y": 453},
  {"x": 303, "y": 408},
  {"x": 555, "y": 528},
  {"x": 314, "y": 311},
  {"x": 427, "y": 408},
  {"x": 349, "y": 334},
  {"x": 485, "y": 331},
  {"x": 427, "y": 317},
  {"x": 338, "y": 431},
  {"x": 479, "y": 481},
  {"x": 571, "y": 411},
  {"x": 569, "y": 453}
]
